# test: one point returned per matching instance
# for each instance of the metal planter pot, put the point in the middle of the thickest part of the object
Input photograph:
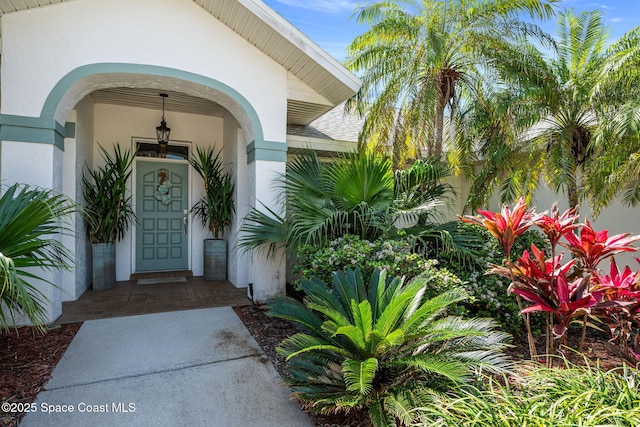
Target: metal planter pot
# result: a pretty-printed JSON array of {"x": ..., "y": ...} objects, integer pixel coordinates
[
  {"x": 104, "y": 266},
  {"x": 215, "y": 259}
]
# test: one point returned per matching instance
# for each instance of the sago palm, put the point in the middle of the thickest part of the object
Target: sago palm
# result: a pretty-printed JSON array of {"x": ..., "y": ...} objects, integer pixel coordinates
[
  {"x": 419, "y": 57},
  {"x": 30, "y": 220},
  {"x": 381, "y": 348}
]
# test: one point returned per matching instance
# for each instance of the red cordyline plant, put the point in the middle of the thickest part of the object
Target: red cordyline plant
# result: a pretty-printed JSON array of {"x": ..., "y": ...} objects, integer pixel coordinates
[
  {"x": 570, "y": 291},
  {"x": 507, "y": 224},
  {"x": 619, "y": 308},
  {"x": 591, "y": 247}
]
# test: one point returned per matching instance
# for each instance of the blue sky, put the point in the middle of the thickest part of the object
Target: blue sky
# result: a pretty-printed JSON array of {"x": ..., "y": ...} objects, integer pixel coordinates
[{"x": 329, "y": 23}]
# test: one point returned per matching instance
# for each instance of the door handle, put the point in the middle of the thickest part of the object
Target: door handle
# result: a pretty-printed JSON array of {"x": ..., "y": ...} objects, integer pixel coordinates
[{"x": 185, "y": 222}]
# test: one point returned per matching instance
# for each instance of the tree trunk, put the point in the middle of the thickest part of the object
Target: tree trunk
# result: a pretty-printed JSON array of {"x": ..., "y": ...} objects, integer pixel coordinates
[
  {"x": 439, "y": 128},
  {"x": 572, "y": 194}
]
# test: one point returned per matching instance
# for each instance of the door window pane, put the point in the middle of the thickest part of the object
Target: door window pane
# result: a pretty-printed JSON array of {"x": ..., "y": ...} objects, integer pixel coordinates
[{"x": 176, "y": 152}]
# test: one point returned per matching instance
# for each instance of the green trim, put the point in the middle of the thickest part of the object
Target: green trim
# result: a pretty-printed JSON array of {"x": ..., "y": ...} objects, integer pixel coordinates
[
  {"x": 267, "y": 150},
  {"x": 46, "y": 129},
  {"x": 32, "y": 129},
  {"x": 70, "y": 130},
  {"x": 63, "y": 86}
]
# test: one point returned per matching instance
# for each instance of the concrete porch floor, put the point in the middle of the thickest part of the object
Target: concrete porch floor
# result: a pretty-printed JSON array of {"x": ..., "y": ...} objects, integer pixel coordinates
[{"x": 130, "y": 298}]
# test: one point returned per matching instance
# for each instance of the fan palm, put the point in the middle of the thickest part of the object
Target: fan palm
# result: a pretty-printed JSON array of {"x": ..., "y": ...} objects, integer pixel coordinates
[
  {"x": 419, "y": 57},
  {"x": 381, "y": 348},
  {"x": 354, "y": 194},
  {"x": 29, "y": 220}
]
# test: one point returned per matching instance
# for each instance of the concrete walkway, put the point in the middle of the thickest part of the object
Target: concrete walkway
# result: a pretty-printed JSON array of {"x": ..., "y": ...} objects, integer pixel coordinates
[{"x": 195, "y": 367}]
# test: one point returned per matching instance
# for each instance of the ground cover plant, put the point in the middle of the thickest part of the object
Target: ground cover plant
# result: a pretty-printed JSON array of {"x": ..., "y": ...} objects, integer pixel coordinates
[{"x": 381, "y": 348}]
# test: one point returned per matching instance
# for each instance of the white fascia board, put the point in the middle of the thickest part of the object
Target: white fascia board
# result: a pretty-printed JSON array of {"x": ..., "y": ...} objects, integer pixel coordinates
[
  {"x": 319, "y": 144},
  {"x": 302, "y": 42}
]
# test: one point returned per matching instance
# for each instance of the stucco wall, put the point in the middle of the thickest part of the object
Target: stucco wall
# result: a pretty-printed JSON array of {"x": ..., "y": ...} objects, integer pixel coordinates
[
  {"x": 177, "y": 34},
  {"x": 616, "y": 219},
  {"x": 84, "y": 127}
]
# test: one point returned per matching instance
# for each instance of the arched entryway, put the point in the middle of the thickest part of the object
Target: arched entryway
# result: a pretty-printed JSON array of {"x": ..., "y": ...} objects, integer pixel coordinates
[{"x": 100, "y": 104}]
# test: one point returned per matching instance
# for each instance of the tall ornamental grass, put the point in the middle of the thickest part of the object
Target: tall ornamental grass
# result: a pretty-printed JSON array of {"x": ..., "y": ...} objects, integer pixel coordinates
[{"x": 575, "y": 396}]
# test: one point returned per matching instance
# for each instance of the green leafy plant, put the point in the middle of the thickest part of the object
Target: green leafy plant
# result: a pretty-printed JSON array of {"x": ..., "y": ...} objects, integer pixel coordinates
[
  {"x": 574, "y": 396},
  {"x": 216, "y": 208},
  {"x": 395, "y": 256},
  {"x": 108, "y": 209},
  {"x": 30, "y": 218},
  {"x": 488, "y": 297},
  {"x": 382, "y": 348},
  {"x": 566, "y": 292},
  {"x": 419, "y": 61},
  {"x": 357, "y": 193}
]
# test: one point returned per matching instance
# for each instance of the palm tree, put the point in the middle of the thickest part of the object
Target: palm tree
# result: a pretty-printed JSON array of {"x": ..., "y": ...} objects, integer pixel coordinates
[
  {"x": 616, "y": 168},
  {"x": 29, "y": 220},
  {"x": 545, "y": 125},
  {"x": 420, "y": 57},
  {"x": 382, "y": 348},
  {"x": 489, "y": 149}
]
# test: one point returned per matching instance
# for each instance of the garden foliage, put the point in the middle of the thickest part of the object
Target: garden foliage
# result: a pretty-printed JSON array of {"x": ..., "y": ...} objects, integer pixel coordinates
[
  {"x": 571, "y": 290},
  {"x": 487, "y": 296},
  {"x": 381, "y": 348},
  {"x": 30, "y": 222},
  {"x": 216, "y": 208},
  {"x": 108, "y": 210},
  {"x": 356, "y": 193},
  {"x": 349, "y": 251},
  {"x": 572, "y": 396}
]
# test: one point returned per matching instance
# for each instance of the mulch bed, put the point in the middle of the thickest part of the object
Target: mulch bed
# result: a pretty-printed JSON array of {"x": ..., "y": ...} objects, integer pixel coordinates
[{"x": 27, "y": 359}]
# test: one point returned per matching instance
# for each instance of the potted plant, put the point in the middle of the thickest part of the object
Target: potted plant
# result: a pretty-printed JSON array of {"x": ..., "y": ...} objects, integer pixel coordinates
[
  {"x": 108, "y": 212},
  {"x": 215, "y": 209}
]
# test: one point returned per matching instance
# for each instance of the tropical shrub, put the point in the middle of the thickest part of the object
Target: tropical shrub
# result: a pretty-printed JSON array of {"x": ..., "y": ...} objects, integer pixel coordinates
[
  {"x": 216, "y": 208},
  {"x": 383, "y": 348},
  {"x": 488, "y": 297},
  {"x": 574, "y": 290},
  {"x": 395, "y": 256},
  {"x": 108, "y": 211},
  {"x": 357, "y": 193},
  {"x": 575, "y": 396},
  {"x": 30, "y": 218}
]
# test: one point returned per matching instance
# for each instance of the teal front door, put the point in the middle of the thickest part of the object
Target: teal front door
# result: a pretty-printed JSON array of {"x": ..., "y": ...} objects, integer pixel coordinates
[{"x": 161, "y": 207}]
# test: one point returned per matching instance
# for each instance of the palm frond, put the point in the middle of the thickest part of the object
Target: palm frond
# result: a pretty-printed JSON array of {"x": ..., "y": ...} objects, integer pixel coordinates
[{"x": 31, "y": 221}]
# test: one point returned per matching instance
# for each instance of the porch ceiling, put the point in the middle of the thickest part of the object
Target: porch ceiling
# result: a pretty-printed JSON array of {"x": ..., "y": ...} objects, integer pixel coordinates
[
  {"x": 150, "y": 98},
  {"x": 269, "y": 32}
]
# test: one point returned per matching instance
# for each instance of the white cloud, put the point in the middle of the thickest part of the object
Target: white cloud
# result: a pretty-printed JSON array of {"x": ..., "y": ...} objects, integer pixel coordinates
[
  {"x": 615, "y": 20},
  {"x": 329, "y": 6}
]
